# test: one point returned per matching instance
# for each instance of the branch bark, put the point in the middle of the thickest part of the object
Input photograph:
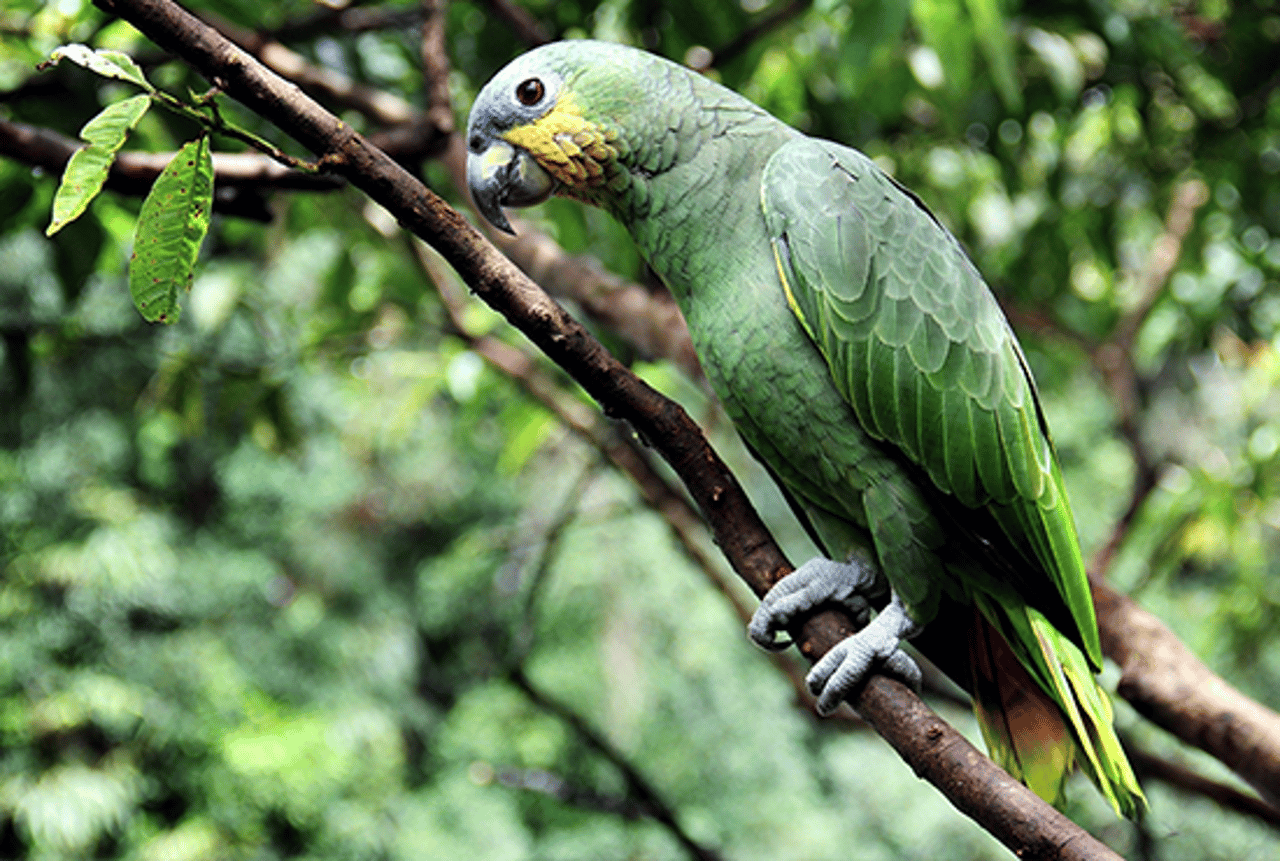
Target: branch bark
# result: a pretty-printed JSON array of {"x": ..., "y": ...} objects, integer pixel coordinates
[
  {"x": 934, "y": 750},
  {"x": 1168, "y": 684},
  {"x": 133, "y": 172},
  {"x": 638, "y": 787},
  {"x": 527, "y": 28},
  {"x": 1181, "y": 777}
]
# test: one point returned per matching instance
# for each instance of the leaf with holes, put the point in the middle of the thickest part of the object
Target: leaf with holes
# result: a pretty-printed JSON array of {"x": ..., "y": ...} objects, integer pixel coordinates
[
  {"x": 171, "y": 226},
  {"x": 86, "y": 170},
  {"x": 109, "y": 64}
]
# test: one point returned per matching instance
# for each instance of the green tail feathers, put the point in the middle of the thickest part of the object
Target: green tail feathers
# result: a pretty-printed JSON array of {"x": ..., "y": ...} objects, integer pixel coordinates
[{"x": 1040, "y": 709}]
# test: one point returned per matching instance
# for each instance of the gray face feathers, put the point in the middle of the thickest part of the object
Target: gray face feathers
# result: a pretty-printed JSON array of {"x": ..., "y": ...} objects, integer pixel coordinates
[{"x": 499, "y": 172}]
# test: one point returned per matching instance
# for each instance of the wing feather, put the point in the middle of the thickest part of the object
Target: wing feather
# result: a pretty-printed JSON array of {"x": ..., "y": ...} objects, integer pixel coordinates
[{"x": 918, "y": 346}]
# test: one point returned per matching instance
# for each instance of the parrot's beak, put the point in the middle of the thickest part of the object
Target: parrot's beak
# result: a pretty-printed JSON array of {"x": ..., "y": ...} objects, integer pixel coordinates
[{"x": 505, "y": 175}]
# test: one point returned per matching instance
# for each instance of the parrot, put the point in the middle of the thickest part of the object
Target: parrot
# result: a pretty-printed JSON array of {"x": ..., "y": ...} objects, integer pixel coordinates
[{"x": 864, "y": 361}]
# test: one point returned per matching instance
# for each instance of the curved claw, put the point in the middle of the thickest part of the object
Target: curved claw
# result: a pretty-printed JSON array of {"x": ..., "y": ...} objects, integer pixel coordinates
[
  {"x": 848, "y": 664},
  {"x": 815, "y": 582}
]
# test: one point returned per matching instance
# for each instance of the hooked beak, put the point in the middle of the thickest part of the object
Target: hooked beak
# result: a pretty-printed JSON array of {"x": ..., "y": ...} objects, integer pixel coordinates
[{"x": 505, "y": 175}]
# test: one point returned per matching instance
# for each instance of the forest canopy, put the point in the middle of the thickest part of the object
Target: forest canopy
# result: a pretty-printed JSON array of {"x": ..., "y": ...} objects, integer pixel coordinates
[{"x": 337, "y": 564}]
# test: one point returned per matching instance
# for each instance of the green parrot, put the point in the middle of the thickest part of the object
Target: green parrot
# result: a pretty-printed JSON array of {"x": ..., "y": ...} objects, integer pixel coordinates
[{"x": 864, "y": 361}]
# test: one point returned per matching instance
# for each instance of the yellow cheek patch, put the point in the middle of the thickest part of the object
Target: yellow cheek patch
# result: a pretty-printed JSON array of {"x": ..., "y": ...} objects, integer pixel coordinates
[{"x": 568, "y": 146}]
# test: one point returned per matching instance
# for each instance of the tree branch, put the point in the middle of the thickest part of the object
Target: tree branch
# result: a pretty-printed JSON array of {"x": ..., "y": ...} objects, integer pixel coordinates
[
  {"x": 1148, "y": 765},
  {"x": 744, "y": 40},
  {"x": 527, "y": 28},
  {"x": 407, "y": 134},
  {"x": 1027, "y": 825},
  {"x": 638, "y": 786},
  {"x": 1168, "y": 684},
  {"x": 133, "y": 172}
]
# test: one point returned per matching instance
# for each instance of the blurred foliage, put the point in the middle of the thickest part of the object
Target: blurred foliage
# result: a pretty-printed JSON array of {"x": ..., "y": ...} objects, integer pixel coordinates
[{"x": 265, "y": 575}]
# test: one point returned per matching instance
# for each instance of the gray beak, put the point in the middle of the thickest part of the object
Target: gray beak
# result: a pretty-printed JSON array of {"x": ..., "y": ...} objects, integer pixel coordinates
[{"x": 504, "y": 175}]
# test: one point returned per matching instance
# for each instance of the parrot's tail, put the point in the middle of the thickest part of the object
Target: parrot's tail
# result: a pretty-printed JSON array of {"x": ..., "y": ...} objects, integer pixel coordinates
[{"x": 1042, "y": 712}]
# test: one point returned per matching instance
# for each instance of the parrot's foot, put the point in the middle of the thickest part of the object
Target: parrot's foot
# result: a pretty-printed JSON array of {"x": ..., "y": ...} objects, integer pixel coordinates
[
  {"x": 840, "y": 671},
  {"x": 848, "y": 664},
  {"x": 819, "y": 580}
]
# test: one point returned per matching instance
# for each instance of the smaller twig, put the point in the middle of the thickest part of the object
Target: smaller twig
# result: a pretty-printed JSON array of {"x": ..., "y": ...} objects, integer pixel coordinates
[
  {"x": 206, "y": 113},
  {"x": 133, "y": 172},
  {"x": 748, "y": 37},
  {"x": 1114, "y": 359},
  {"x": 379, "y": 107},
  {"x": 435, "y": 65},
  {"x": 1188, "y": 196},
  {"x": 638, "y": 786},
  {"x": 1169, "y": 685},
  {"x": 527, "y": 28},
  {"x": 583, "y": 797},
  {"x": 407, "y": 134},
  {"x": 549, "y": 548},
  {"x": 1177, "y": 775},
  {"x": 352, "y": 19}
]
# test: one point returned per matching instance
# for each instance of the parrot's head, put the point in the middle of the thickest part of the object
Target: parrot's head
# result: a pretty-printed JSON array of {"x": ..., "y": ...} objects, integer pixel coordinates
[{"x": 552, "y": 121}]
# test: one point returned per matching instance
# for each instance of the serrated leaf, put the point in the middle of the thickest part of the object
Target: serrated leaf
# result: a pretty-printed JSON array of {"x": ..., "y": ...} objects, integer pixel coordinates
[
  {"x": 87, "y": 169},
  {"x": 109, "y": 64},
  {"x": 171, "y": 226}
]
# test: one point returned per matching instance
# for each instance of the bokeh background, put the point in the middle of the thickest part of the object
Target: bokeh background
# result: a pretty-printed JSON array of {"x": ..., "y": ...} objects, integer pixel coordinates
[{"x": 308, "y": 575}]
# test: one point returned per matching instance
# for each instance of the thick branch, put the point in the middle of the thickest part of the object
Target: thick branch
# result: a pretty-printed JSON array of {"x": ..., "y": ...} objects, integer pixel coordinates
[
  {"x": 935, "y": 751},
  {"x": 1168, "y": 684}
]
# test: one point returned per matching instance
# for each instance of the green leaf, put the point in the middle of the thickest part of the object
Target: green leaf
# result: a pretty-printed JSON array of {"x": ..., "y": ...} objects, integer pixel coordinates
[
  {"x": 87, "y": 169},
  {"x": 998, "y": 49},
  {"x": 171, "y": 226},
  {"x": 81, "y": 181},
  {"x": 113, "y": 124},
  {"x": 109, "y": 64}
]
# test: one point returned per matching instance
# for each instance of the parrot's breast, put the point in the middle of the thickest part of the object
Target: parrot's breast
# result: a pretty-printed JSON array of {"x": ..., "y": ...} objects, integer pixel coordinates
[{"x": 778, "y": 391}]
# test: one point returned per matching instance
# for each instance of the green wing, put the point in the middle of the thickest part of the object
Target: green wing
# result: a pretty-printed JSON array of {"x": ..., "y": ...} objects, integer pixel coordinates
[{"x": 919, "y": 348}]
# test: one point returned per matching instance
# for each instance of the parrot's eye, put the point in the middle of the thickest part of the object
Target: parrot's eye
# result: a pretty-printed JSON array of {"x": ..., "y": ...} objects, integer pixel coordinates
[{"x": 530, "y": 92}]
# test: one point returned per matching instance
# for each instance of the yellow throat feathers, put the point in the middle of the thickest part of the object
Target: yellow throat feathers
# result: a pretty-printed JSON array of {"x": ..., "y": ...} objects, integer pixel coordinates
[{"x": 570, "y": 147}]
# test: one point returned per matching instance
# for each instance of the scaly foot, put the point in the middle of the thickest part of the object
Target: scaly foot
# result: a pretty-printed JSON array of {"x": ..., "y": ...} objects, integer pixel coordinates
[{"x": 847, "y": 665}]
